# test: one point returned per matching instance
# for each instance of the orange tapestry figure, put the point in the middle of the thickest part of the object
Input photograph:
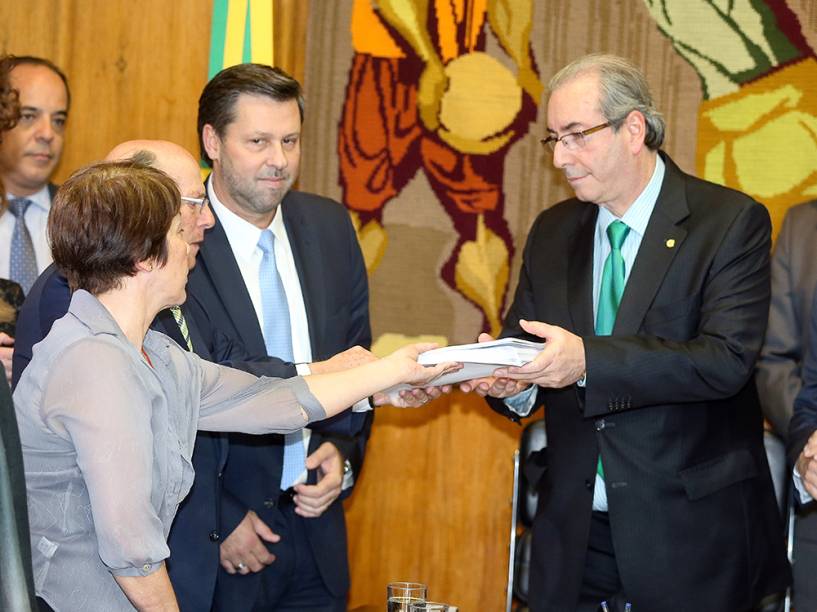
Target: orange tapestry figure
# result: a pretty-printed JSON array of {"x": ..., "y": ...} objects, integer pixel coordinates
[{"x": 424, "y": 94}]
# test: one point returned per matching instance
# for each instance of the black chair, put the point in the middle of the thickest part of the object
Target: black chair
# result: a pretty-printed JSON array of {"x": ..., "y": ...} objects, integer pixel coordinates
[{"x": 530, "y": 462}]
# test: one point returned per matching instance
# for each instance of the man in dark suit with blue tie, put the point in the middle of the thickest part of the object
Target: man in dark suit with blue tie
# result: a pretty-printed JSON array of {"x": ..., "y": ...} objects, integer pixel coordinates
[
  {"x": 651, "y": 289},
  {"x": 282, "y": 273}
]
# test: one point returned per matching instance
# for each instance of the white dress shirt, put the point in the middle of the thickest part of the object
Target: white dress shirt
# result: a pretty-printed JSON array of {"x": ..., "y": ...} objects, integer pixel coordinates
[
  {"x": 36, "y": 219},
  {"x": 243, "y": 237},
  {"x": 636, "y": 218}
]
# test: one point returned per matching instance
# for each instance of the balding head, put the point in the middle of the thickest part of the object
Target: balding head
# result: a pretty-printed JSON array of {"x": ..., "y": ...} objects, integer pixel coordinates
[
  {"x": 166, "y": 156},
  {"x": 179, "y": 165}
]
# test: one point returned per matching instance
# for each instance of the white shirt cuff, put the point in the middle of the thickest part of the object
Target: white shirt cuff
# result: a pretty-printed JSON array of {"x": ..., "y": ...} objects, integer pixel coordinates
[
  {"x": 522, "y": 403},
  {"x": 348, "y": 476},
  {"x": 303, "y": 369},
  {"x": 362, "y": 405}
]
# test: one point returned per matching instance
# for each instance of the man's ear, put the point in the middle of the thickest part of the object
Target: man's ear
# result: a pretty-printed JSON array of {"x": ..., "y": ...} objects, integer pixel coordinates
[
  {"x": 211, "y": 140},
  {"x": 636, "y": 127}
]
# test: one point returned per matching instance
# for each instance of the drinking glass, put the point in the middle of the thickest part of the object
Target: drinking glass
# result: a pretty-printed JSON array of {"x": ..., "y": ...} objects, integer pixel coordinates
[
  {"x": 432, "y": 606},
  {"x": 400, "y": 595}
]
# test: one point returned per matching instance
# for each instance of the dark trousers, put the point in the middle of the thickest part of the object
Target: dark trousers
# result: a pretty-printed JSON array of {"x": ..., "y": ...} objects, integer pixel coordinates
[
  {"x": 292, "y": 583},
  {"x": 600, "y": 581}
]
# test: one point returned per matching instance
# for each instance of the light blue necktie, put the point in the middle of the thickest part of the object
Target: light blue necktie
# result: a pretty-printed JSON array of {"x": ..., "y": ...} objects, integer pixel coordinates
[
  {"x": 278, "y": 340},
  {"x": 612, "y": 288},
  {"x": 23, "y": 262}
]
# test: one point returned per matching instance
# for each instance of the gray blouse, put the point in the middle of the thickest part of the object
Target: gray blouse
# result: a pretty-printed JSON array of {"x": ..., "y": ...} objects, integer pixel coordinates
[{"x": 107, "y": 441}]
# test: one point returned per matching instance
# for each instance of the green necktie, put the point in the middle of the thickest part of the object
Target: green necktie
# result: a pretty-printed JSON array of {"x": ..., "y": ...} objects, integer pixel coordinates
[
  {"x": 612, "y": 288},
  {"x": 182, "y": 323}
]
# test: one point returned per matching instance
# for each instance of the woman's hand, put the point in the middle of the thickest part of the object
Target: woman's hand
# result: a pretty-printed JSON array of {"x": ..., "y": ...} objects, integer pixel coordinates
[{"x": 412, "y": 373}]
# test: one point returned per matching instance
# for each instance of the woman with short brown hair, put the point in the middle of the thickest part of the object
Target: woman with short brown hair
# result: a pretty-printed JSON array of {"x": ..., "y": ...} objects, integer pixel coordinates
[{"x": 108, "y": 410}]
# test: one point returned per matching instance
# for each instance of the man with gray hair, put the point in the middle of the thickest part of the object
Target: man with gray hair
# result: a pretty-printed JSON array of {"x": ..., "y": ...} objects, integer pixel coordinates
[{"x": 651, "y": 290}]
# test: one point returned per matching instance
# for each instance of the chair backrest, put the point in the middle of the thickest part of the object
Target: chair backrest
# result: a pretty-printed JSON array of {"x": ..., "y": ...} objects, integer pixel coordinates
[{"x": 532, "y": 462}]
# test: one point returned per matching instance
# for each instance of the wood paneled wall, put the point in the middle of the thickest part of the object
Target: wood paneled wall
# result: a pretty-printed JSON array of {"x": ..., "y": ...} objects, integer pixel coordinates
[
  {"x": 433, "y": 502},
  {"x": 135, "y": 68}
]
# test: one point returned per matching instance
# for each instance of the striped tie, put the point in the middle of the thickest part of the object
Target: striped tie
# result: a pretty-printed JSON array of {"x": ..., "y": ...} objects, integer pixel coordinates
[
  {"x": 23, "y": 262},
  {"x": 178, "y": 316}
]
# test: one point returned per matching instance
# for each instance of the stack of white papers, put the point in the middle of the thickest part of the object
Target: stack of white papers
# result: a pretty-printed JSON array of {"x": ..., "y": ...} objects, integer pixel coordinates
[{"x": 479, "y": 359}]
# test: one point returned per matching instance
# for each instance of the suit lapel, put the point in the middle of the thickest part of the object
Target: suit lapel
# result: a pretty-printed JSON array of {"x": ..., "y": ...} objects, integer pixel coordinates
[
  {"x": 219, "y": 263},
  {"x": 306, "y": 252},
  {"x": 580, "y": 271},
  {"x": 166, "y": 324},
  {"x": 662, "y": 240}
]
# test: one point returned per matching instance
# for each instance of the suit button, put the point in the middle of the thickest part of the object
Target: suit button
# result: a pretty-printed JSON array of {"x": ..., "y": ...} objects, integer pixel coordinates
[
  {"x": 214, "y": 537},
  {"x": 269, "y": 503},
  {"x": 588, "y": 483},
  {"x": 600, "y": 424}
]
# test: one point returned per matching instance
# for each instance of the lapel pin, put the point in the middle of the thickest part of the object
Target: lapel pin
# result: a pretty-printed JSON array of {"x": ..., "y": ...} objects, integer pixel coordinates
[{"x": 670, "y": 243}]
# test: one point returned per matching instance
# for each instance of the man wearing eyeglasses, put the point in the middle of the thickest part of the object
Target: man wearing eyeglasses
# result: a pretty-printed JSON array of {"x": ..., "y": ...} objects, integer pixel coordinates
[
  {"x": 49, "y": 297},
  {"x": 651, "y": 290}
]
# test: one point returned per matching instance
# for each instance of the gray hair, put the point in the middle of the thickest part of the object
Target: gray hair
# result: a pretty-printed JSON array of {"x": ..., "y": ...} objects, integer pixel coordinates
[
  {"x": 622, "y": 89},
  {"x": 144, "y": 157}
]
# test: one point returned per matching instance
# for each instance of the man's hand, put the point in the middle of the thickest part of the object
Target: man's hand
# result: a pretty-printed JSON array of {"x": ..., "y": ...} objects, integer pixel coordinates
[
  {"x": 493, "y": 385},
  {"x": 561, "y": 362},
  {"x": 350, "y": 358},
  {"x": 410, "y": 398},
  {"x": 244, "y": 551},
  {"x": 807, "y": 465},
  {"x": 6, "y": 353},
  {"x": 313, "y": 500}
]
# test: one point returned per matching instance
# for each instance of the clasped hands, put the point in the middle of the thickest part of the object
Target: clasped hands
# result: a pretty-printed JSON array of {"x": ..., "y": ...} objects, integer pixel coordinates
[{"x": 561, "y": 363}]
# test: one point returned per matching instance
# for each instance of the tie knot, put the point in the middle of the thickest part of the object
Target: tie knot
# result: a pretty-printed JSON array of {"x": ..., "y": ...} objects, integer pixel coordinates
[
  {"x": 266, "y": 241},
  {"x": 19, "y": 206},
  {"x": 616, "y": 233}
]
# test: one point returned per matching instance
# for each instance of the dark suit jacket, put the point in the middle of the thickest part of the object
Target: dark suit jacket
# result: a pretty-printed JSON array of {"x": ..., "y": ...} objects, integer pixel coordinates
[
  {"x": 804, "y": 420},
  {"x": 794, "y": 281},
  {"x": 47, "y": 300},
  {"x": 333, "y": 280},
  {"x": 194, "y": 538},
  {"x": 670, "y": 404}
]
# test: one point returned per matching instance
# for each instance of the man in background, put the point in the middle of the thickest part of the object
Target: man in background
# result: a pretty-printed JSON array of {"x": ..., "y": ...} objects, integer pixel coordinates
[
  {"x": 29, "y": 154},
  {"x": 282, "y": 273},
  {"x": 780, "y": 373}
]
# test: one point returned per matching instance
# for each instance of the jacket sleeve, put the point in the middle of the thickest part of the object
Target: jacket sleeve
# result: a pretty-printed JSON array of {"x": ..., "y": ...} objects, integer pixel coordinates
[
  {"x": 804, "y": 418},
  {"x": 779, "y": 367}
]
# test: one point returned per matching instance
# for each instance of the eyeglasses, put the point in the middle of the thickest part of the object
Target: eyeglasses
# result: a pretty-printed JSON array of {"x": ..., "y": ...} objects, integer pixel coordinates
[
  {"x": 575, "y": 140},
  {"x": 198, "y": 203}
]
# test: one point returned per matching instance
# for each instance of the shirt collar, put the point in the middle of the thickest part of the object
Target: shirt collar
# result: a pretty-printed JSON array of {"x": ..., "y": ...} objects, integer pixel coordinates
[
  {"x": 242, "y": 235},
  {"x": 99, "y": 321},
  {"x": 638, "y": 215},
  {"x": 88, "y": 309},
  {"x": 40, "y": 199}
]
